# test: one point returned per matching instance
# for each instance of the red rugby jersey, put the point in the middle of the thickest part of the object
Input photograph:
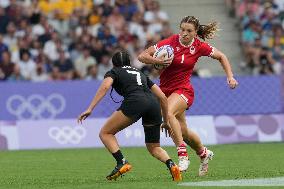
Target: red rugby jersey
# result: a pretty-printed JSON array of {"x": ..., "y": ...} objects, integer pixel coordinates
[{"x": 178, "y": 74}]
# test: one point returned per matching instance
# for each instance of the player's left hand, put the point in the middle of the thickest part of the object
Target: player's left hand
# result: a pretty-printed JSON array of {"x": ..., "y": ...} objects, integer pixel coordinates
[
  {"x": 232, "y": 82},
  {"x": 168, "y": 129},
  {"x": 83, "y": 116}
]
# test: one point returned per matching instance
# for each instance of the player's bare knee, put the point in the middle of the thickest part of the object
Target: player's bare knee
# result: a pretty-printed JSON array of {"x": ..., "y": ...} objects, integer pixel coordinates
[
  {"x": 101, "y": 134},
  {"x": 171, "y": 116},
  {"x": 152, "y": 147}
]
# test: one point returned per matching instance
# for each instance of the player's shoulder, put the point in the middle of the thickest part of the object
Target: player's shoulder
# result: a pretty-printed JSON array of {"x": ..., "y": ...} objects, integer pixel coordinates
[
  {"x": 199, "y": 43},
  {"x": 174, "y": 38},
  {"x": 129, "y": 68}
]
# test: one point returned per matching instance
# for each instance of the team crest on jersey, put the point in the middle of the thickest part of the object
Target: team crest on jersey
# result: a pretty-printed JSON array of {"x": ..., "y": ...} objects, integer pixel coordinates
[
  {"x": 192, "y": 50},
  {"x": 177, "y": 48}
]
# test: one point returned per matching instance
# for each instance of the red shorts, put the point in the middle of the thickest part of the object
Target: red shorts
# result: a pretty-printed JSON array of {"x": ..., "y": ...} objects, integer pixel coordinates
[{"x": 186, "y": 93}]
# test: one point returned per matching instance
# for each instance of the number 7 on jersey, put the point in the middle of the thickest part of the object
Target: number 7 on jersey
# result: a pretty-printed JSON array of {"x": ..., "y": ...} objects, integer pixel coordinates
[{"x": 138, "y": 76}]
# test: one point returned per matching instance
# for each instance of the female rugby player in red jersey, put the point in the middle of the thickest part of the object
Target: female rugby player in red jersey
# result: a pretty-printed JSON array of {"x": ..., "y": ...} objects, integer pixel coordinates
[{"x": 175, "y": 82}]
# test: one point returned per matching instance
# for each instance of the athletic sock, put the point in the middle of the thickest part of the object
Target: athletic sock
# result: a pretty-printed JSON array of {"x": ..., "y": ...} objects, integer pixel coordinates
[
  {"x": 202, "y": 153},
  {"x": 170, "y": 163},
  {"x": 119, "y": 157},
  {"x": 181, "y": 150}
]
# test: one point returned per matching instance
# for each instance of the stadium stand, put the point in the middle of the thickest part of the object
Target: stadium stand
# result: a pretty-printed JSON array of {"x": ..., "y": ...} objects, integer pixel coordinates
[
  {"x": 69, "y": 40},
  {"x": 66, "y": 40},
  {"x": 261, "y": 25}
]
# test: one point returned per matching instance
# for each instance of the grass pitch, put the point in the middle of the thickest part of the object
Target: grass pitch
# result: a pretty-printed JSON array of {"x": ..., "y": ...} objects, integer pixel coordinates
[{"x": 87, "y": 168}]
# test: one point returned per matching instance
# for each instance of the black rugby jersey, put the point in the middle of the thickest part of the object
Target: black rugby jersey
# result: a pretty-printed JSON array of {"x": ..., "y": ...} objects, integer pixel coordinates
[{"x": 129, "y": 81}]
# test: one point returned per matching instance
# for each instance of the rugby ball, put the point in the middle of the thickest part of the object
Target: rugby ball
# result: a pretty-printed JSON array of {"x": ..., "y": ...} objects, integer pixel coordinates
[{"x": 163, "y": 52}]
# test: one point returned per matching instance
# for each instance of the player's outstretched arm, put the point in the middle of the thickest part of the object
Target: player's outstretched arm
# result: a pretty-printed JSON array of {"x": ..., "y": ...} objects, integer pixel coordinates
[
  {"x": 101, "y": 92},
  {"x": 222, "y": 58}
]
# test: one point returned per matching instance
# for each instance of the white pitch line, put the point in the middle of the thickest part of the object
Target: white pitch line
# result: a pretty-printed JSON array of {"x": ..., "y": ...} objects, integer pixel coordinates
[{"x": 277, "y": 181}]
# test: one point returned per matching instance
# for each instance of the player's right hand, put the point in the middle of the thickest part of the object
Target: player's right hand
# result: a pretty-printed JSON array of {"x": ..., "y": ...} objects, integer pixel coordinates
[
  {"x": 168, "y": 129},
  {"x": 165, "y": 61},
  {"x": 232, "y": 82},
  {"x": 83, "y": 116}
]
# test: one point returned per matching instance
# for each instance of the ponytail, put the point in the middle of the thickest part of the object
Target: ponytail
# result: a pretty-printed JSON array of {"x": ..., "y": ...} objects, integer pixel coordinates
[
  {"x": 203, "y": 31},
  {"x": 207, "y": 31}
]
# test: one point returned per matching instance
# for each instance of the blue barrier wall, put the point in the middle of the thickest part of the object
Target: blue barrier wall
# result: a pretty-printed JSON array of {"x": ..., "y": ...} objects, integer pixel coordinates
[
  {"x": 51, "y": 100},
  {"x": 254, "y": 95}
]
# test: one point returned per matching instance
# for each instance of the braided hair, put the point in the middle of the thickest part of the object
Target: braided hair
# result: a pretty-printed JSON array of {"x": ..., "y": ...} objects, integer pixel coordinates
[{"x": 120, "y": 59}]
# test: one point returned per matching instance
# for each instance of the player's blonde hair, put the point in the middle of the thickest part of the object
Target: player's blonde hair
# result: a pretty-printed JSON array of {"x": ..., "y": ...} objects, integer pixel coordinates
[{"x": 203, "y": 31}]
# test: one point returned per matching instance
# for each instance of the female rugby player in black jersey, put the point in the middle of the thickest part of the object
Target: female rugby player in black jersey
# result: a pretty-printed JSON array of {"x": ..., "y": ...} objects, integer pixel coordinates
[{"x": 140, "y": 101}]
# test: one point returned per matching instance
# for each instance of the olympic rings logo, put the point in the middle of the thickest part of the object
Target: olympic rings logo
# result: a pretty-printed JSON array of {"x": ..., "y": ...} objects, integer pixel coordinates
[
  {"x": 36, "y": 106},
  {"x": 67, "y": 134}
]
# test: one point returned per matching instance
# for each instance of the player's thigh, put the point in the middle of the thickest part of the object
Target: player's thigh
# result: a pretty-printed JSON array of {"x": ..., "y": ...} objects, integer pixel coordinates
[
  {"x": 176, "y": 104},
  {"x": 116, "y": 122}
]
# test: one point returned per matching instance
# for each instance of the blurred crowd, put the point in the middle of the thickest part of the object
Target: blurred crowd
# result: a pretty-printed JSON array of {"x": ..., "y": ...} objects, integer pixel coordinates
[
  {"x": 44, "y": 40},
  {"x": 262, "y": 36}
]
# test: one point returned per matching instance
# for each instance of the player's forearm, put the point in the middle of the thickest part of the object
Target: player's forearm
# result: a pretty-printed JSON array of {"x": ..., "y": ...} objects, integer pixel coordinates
[
  {"x": 226, "y": 66},
  {"x": 148, "y": 59},
  {"x": 98, "y": 97},
  {"x": 164, "y": 106}
]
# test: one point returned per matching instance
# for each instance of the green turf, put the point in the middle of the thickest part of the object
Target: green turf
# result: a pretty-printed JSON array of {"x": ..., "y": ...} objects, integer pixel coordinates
[{"x": 87, "y": 168}]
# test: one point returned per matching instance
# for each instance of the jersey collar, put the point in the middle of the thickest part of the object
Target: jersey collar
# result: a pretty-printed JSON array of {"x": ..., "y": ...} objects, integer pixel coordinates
[{"x": 185, "y": 45}]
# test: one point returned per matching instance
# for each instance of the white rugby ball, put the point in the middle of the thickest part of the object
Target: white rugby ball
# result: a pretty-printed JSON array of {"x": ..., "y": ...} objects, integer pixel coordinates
[{"x": 163, "y": 52}]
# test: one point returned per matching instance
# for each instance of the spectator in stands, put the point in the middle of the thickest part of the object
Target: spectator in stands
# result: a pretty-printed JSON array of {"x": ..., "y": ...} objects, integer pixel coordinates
[
  {"x": 50, "y": 47},
  {"x": 6, "y": 66},
  {"x": 16, "y": 75},
  {"x": 105, "y": 8},
  {"x": 14, "y": 11},
  {"x": 41, "y": 58},
  {"x": 40, "y": 74},
  {"x": 116, "y": 20},
  {"x": 94, "y": 17},
  {"x": 136, "y": 27},
  {"x": 94, "y": 30},
  {"x": 98, "y": 49},
  {"x": 266, "y": 61},
  {"x": 107, "y": 38},
  {"x": 104, "y": 66},
  {"x": 92, "y": 72},
  {"x": 75, "y": 50},
  {"x": 128, "y": 8},
  {"x": 63, "y": 68},
  {"x": 155, "y": 18},
  {"x": 83, "y": 62},
  {"x": 10, "y": 38},
  {"x": 27, "y": 65},
  {"x": 4, "y": 20},
  {"x": 3, "y": 47}
]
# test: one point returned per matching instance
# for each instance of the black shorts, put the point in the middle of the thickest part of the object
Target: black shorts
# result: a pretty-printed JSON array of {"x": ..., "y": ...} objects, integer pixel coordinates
[
  {"x": 152, "y": 134},
  {"x": 147, "y": 108}
]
